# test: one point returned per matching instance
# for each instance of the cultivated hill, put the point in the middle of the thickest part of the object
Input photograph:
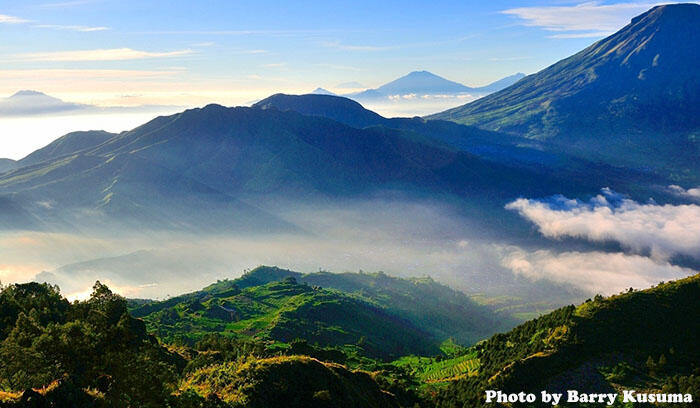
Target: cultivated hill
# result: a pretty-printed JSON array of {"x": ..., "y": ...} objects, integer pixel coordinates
[{"x": 382, "y": 316}]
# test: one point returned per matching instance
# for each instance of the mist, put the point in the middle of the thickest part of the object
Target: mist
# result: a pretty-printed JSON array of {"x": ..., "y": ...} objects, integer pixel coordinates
[{"x": 405, "y": 239}]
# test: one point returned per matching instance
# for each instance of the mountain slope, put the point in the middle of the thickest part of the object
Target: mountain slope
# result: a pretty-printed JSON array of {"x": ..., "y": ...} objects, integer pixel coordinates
[
  {"x": 222, "y": 158},
  {"x": 605, "y": 344},
  {"x": 7, "y": 164},
  {"x": 431, "y": 306},
  {"x": 284, "y": 311},
  {"x": 68, "y": 144},
  {"x": 509, "y": 150},
  {"x": 617, "y": 100},
  {"x": 295, "y": 382},
  {"x": 395, "y": 316}
]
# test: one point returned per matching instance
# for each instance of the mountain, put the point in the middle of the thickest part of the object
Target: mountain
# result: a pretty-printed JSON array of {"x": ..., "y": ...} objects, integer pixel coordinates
[
  {"x": 427, "y": 83},
  {"x": 321, "y": 91},
  {"x": 421, "y": 82},
  {"x": 638, "y": 340},
  {"x": 509, "y": 150},
  {"x": 7, "y": 164},
  {"x": 34, "y": 103},
  {"x": 66, "y": 145},
  {"x": 632, "y": 98},
  {"x": 225, "y": 158},
  {"x": 394, "y": 316}
]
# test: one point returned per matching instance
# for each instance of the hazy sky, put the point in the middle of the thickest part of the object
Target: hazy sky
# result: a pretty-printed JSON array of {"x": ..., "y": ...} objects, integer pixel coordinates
[{"x": 124, "y": 52}]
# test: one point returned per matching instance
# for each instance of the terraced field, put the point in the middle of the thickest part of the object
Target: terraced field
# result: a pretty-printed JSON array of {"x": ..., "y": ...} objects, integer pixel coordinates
[{"x": 447, "y": 369}]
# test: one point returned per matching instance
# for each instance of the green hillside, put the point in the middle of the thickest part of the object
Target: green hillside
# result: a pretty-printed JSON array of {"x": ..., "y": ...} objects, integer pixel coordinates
[
  {"x": 643, "y": 340},
  {"x": 286, "y": 310},
  {"x": 435, "y": 308},
  {"x": 382, "y": 316}
]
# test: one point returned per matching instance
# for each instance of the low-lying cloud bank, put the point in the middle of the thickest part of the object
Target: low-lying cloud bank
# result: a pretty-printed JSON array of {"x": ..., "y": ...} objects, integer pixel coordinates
[
  {"x": 662, "y": 231},
  {"x": 595, "y": 272}
]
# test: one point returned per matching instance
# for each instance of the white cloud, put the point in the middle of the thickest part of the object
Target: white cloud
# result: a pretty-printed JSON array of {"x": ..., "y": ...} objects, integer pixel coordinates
[
  {"x": 5, "y": 19},
  {"x": 691, "y": 193},
  {"x": 79, "y": 28},
  {"x": 595, "y": 272},
  {"x": 663, "y": 230},
  {"x": 590, "y": 19},
  {"x": 114, "y": 54}
]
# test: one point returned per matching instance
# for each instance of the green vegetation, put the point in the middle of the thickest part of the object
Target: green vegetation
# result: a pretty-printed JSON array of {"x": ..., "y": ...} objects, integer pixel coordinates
[
  {"x": 93, "y": 353},
  {"x": 378, "y": 315},
  {"x": 307, "y": 383},
  {"x": 636, "y": 340},
  {"x": 286, "y": 310},
  {"x": 78, "y": 351}
]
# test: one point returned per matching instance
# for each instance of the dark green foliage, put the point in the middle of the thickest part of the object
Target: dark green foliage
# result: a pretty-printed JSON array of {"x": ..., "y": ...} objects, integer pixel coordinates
[
  {"x": 294, "y": 382},
  {"x": 91, "y": 344},
  {"x": 642, "y": 328}
]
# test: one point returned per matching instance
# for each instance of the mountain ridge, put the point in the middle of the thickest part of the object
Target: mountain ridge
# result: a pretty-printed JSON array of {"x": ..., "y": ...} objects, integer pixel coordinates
[{"x": 626, "y": 92}]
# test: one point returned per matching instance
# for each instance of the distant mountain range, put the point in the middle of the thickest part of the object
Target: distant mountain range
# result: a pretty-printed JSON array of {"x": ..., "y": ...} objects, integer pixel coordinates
[
  {"x": 630, "y": 99},
  {"x": 427, "y": 83}
]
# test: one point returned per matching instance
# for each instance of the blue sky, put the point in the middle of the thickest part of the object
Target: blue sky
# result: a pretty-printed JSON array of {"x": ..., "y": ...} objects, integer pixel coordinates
[{"x": 121, "y": 52}]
